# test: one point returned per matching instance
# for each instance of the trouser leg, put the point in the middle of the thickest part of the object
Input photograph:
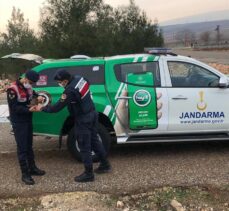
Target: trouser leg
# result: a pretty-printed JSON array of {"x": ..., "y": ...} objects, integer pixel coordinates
[
  {"x": 97, "y": 146},
  {"x": 30, "y": 153},
  {"x": 21, "y": 131},
  {"x": 20, "y": 134},
  {"x": 33, "y": 169},
  {"x": 84, "y": 140}
]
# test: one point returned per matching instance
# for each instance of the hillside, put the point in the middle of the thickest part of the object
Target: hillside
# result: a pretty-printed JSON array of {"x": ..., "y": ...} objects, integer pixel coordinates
[
  {"x": 196, "y": 27},
  {"x": 204, "y": 17},
  {"x": 171, "y": 32}
]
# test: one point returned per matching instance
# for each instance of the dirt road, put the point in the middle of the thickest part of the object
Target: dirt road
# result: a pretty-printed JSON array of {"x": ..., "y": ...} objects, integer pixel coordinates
[{"x": 135, "y": 168}]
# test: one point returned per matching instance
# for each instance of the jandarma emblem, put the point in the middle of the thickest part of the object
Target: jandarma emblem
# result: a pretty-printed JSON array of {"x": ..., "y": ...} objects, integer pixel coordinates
[
  {"x": 142, "y": 98},
  {"x": 201, "y": 105}
]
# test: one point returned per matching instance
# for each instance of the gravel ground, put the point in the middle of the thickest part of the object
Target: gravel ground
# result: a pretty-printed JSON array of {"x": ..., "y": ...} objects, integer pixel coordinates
[{"x": 136, "y": 168}]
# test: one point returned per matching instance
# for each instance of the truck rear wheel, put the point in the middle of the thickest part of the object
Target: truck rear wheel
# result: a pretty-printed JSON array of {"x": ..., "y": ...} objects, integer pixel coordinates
[{"x": 73, "y": 146}]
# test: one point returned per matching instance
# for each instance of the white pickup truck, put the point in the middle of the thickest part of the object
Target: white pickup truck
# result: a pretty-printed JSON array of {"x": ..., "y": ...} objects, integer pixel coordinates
[{"x": 192, "y": 101}]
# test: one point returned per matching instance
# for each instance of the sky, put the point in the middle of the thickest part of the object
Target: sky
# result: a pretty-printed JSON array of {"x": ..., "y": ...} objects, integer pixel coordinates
[{"x": 163, "y": 10}]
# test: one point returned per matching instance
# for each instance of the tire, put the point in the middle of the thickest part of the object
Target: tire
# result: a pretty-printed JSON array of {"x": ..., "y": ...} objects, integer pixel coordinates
[{"x": 73, "y": 148}]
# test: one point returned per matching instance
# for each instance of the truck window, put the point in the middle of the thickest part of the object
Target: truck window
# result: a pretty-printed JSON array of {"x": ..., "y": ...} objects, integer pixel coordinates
[
  {"x": 93, "y": 73},
  {"x": 122, "y": 71},
  {"x": 185, "y": 74}
]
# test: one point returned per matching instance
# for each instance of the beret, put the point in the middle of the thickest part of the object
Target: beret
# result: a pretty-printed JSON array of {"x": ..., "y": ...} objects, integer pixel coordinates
[
  {"x": 62, "y": 74},
  {"x": 32, "y": 75}
]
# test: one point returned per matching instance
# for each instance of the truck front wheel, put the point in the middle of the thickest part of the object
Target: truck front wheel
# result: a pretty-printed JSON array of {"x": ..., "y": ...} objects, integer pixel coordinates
[{"x": 73, "y": 146}]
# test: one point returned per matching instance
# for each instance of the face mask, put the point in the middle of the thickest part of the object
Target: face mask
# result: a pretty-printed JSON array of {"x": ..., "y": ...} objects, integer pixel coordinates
[
  {"x": 27, "y": 85},
  {"x": 60, "y": 84}
]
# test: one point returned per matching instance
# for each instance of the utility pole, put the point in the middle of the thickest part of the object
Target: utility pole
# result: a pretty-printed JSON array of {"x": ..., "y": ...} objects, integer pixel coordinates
[{"x": 218, "y": 34}]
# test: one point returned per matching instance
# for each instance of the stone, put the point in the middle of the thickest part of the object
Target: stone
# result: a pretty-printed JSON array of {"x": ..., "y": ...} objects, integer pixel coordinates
[
  {"x": 120, "y": 204},
  {"x": 176, "y": 205}
]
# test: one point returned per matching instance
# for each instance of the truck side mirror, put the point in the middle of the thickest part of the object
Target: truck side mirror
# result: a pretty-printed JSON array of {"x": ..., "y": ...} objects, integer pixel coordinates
[{"x": 223, "y": 82}]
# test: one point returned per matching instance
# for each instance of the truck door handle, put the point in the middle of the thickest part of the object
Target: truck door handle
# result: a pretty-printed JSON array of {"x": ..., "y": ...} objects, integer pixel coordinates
[
  {"x": 124, "y": 98},
  {"x": 180, "y": 97}
]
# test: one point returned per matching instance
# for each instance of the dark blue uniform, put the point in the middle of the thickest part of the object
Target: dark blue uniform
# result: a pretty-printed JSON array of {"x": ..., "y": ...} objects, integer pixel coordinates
[
  {"x": 80, "y": 105},
  {"x": 19, "y": 98}
]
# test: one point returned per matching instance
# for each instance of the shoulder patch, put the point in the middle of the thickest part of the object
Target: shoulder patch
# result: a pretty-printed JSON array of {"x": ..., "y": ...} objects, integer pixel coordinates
[
  {"x": 11, "y": 94},
  {"x": 83, "y": 87},
  {"x": 63, "y": 97}
]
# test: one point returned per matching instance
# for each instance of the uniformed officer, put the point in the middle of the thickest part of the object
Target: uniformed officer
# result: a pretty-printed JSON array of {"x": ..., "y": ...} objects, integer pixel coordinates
[
  {"x": 77, "y": 98},
  {"x": 19, "y": 96}
]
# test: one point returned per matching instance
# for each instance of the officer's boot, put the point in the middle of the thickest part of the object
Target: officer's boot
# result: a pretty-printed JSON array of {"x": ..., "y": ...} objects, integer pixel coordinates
[
  {"x": 86, "y": 176},
  {"x": 26, "y": 176},
  {"x": 33, "y": 170},
  {"x": 104, "y": 167}
]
